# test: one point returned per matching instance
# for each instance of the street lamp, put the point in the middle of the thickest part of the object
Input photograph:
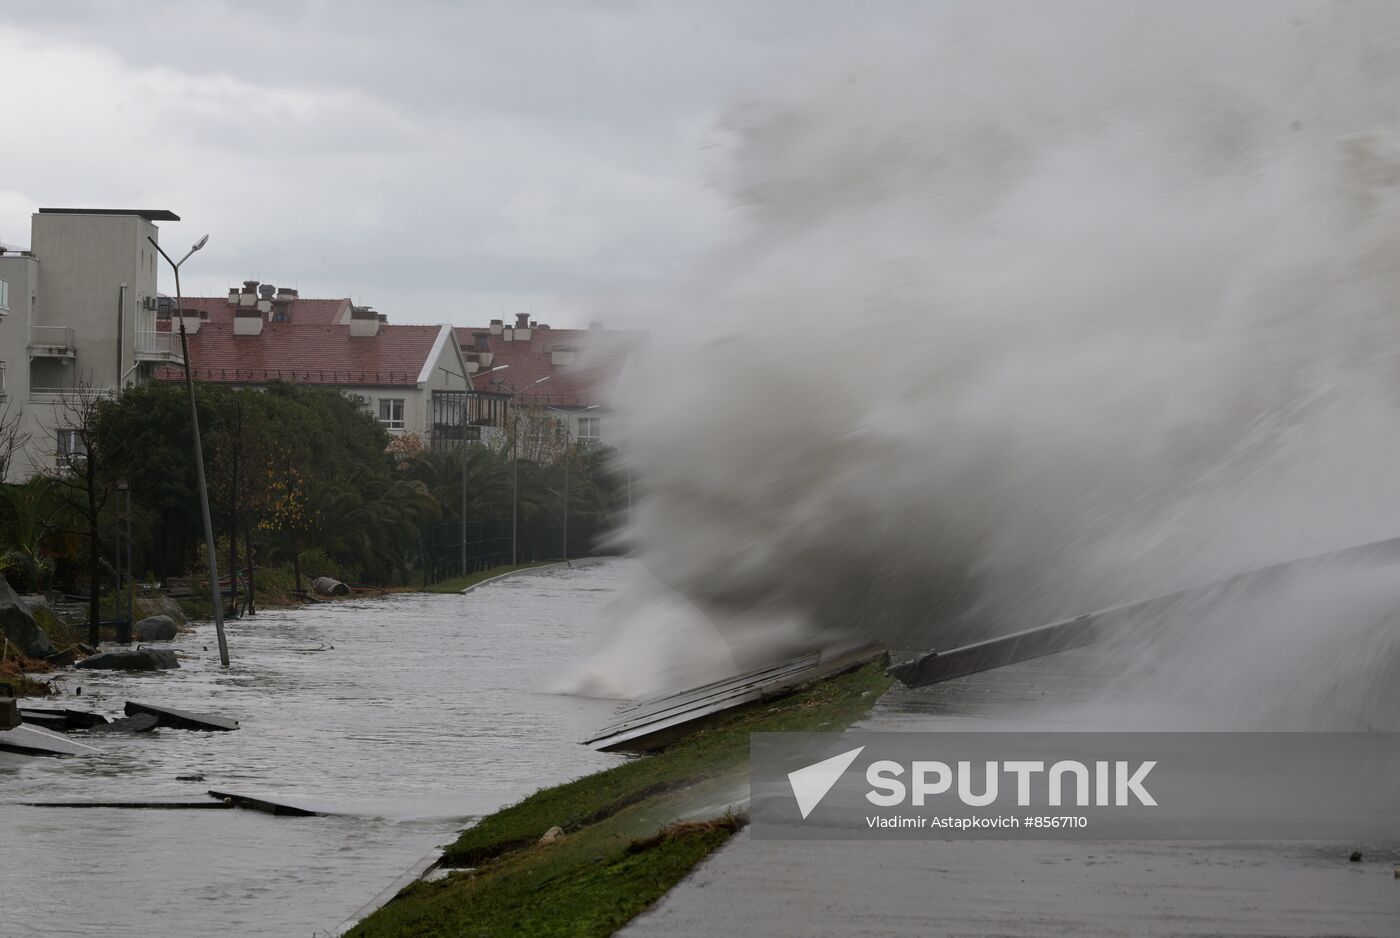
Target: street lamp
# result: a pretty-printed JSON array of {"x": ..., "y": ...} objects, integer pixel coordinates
[
  {"x": 198, "y": 451},
  {"x": 515, "y": 472},
  {"x": 568, "y": 441}
]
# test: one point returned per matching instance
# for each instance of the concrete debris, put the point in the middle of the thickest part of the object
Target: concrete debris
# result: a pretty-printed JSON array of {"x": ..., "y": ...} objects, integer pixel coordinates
[
  {"x": 141, "y": 723},
  {"x": 181, "y": 719},
  {"x": 17, "y": 626},
  {"x": 33, "y": 741}
]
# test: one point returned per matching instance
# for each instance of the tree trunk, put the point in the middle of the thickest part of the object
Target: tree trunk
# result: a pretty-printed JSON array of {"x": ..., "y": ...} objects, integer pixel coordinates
[
  {"x": 296, "y": 563},
  {"x": 252, "y": 561},
  {"x": 94, "y": 555}
]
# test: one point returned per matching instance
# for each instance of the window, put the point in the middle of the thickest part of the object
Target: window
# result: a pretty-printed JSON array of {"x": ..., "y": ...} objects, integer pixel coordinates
[
  {"x": 4, "y": 295},
  {"x": 588, "y": 429},
  {"x": 71, "y": 446},
  {"x": 391, "y": 412}
]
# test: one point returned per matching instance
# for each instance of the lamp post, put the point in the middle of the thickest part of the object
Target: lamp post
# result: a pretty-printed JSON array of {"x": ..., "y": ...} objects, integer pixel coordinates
[
  {"x": 465, "y": 403},
  {"x": 568, "y": 442},
  {"x": 216, "y": 595},
  {"x": 515, "y": 473}
]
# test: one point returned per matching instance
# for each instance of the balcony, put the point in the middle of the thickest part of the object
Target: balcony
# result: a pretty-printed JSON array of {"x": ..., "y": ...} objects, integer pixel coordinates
[
  {"x": 52, "y": 342},
  {"x": 153, "y": 346},
  {"x": 65, "y": 395}
]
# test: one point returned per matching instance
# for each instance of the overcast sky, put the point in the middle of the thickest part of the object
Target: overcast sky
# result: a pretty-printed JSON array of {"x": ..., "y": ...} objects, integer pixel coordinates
[{"x": 440, "y": 161}]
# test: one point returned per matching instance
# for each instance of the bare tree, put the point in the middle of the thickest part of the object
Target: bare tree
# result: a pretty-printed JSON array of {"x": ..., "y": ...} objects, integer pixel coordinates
[
  {"x": 13, "y": 438},
  {"x": 82, "y": 482}
]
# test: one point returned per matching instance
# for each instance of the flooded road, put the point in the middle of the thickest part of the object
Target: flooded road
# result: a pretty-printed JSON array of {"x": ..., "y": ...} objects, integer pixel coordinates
[{"x": 405, "y": 716}]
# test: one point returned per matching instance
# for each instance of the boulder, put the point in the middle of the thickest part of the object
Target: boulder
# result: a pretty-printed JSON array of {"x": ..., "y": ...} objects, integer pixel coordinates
[
  {"x": 553, "y": 834},
  {"x": 329, "y": 587},
  {"x": 155, "y": 629},
  {"x": 137, "y": 659},
  {"x": 17, "y": 624}
]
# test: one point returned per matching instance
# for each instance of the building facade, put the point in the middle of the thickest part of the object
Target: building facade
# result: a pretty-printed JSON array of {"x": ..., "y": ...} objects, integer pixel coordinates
[
  {"x": 81, "y": 318},
  {"x": 261, "y": 333}
]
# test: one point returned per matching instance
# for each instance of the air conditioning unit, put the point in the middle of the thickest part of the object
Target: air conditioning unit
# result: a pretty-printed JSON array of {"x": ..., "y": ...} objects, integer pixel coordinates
[{"x": 149, "y": 303}]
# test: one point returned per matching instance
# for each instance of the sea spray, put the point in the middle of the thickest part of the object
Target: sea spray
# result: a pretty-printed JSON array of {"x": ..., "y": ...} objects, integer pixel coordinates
[{"x": 1030, "y": 310}]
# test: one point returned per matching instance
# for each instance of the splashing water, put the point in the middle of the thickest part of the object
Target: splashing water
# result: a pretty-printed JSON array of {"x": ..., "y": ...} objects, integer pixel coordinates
[{"x": 1034, "y": 309}]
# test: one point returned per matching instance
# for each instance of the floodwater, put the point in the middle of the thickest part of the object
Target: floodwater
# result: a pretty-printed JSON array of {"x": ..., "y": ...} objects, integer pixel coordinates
[{"x": 406, "y": 715}]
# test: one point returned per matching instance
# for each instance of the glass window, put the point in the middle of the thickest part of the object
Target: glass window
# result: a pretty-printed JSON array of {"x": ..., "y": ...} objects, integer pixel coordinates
[
  {"x": 588, "y": 429},
  {"x": 71, "y": 445},
  {"x": 4, "y": 294},
  {"x": 391, "y": 412}
]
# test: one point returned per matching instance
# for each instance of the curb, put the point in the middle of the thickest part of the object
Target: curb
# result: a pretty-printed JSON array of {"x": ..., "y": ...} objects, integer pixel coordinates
[{"x": 544, "y": 566}]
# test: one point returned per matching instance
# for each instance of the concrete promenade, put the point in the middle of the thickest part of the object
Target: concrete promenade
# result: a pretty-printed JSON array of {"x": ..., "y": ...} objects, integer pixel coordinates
[{"x": 983, "y": 888}]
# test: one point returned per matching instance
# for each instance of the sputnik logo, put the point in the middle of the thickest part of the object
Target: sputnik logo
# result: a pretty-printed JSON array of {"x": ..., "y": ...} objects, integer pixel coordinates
[{"x": 811, "y": 783}]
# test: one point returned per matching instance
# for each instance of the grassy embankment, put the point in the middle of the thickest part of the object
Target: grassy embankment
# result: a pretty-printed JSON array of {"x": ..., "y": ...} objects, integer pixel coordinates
[{"x": 630, "y": 833}]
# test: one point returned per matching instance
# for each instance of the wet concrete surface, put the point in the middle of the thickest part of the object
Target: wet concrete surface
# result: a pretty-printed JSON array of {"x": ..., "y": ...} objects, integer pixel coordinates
[{"x": 1032, "y": 888}]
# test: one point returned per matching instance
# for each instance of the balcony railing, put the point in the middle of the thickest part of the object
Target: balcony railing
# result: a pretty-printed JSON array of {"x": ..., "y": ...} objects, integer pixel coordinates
[
  {"x": 51, "y": 342},
  {"x": 157, "y": 346},
  {"x": 62, "y": 395}
]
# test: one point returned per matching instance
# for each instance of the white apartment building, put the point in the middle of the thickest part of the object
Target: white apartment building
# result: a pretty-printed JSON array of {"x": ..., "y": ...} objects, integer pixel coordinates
[{"x": 78, "y": 308}]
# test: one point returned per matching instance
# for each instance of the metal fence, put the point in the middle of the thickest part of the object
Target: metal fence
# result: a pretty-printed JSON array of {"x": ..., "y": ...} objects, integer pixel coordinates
[{"x": 489, "y": 544}]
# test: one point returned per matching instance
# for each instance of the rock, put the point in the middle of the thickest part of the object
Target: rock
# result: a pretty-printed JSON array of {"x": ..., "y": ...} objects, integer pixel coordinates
[
  {"x": 18, "y": 626},
  {"x": 329, "y": 587},
  {"x": 553, "y": 834},
  {"x": 160, "y": 628},
  {"x": 139, "y": 659},
  {"x": 1355, "y": 856}
]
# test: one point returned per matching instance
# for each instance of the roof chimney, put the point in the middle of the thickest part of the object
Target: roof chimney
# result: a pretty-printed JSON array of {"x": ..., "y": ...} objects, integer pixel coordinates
[
  {"x": 191, "y": 319},
  {"x": 496, "y": 327},
  {"x": 561, "y": 355},
  {"x": 247, "y": 320},
  {"x": 233, "y": 296},
  {"x": 248, "y": 296},
  {"x": 522, "y": 327},
  {"x": 364, "y": 322}
]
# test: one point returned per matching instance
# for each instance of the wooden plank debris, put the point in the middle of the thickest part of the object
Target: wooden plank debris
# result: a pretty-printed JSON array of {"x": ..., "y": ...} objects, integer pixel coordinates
[
  {"x": 938, "y": 666},
  {"x": 181, "y": 719},
  {"x": 656, "y": 723},
  {"x": 262, "y": 804}
]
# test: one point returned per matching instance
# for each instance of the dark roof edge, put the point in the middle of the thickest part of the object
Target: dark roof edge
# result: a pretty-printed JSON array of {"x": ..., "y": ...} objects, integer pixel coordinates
[{"x": 150, "y": 214}]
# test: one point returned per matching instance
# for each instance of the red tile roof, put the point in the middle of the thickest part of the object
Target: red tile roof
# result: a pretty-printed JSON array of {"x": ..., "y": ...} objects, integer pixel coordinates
[
  {"x": 308, "y": 354},
  {"x": 599, "y": 359}
]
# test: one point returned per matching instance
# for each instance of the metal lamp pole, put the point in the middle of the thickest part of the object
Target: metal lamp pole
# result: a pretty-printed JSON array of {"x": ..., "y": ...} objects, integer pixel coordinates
[
  {"x": 515, "y": 473},
  {"x": 568, "y": 442},
  {"x": 468, "y": 380},
  {"x": 217, "y": 596}
]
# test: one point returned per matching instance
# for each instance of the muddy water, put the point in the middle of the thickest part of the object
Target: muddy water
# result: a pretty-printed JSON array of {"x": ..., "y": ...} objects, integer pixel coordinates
[{"x": 405, "y": 716}]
